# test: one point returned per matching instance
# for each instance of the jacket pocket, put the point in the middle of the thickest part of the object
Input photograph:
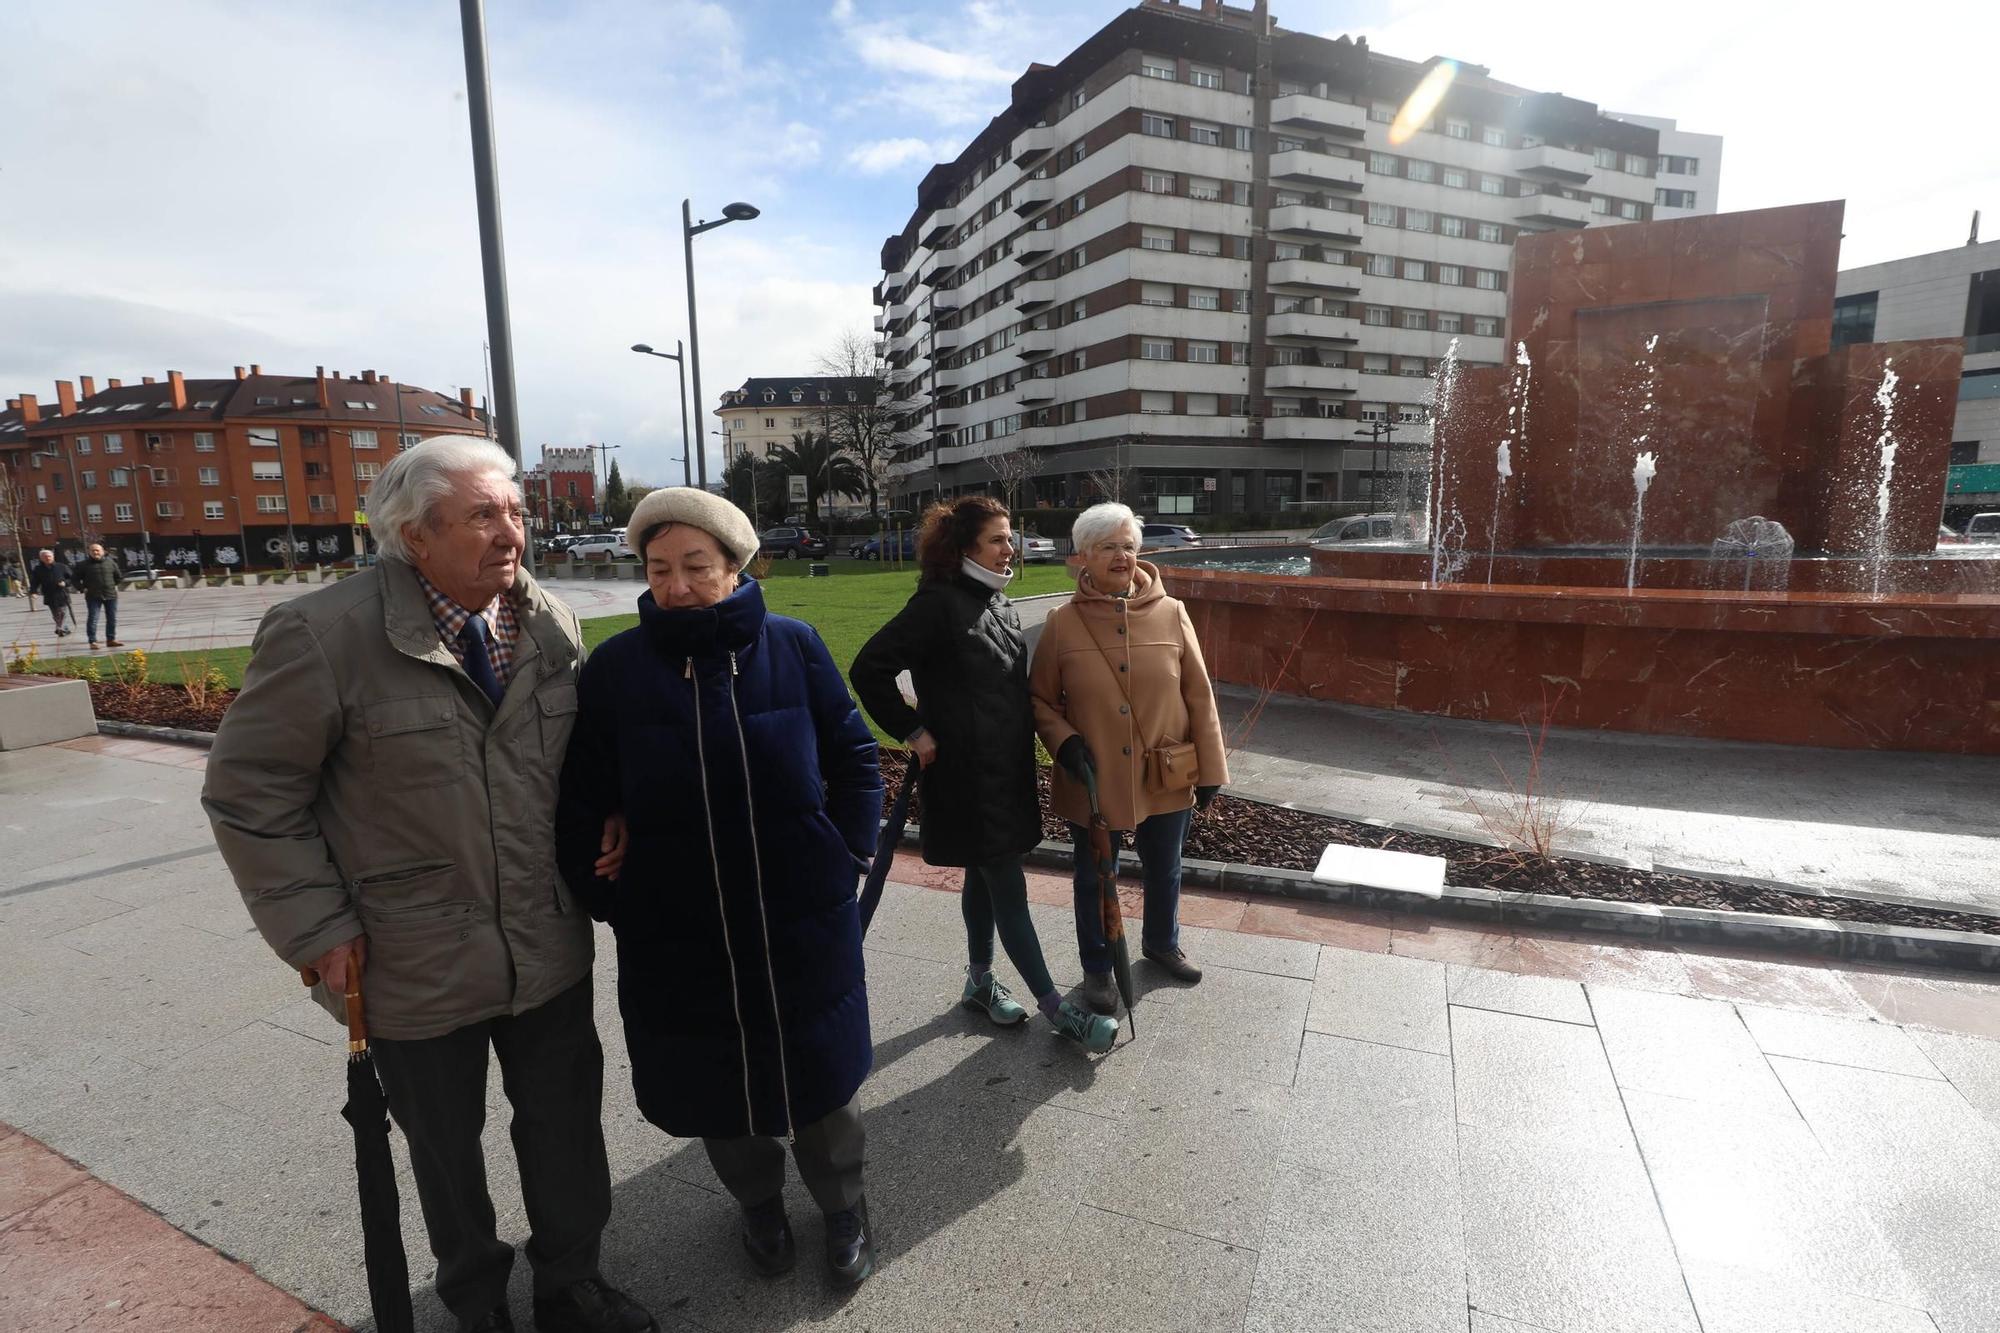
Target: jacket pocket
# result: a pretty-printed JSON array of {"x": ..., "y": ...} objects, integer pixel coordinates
[
  {"x": 555, "y": 706},
  {"x": 414, "y": 743}
]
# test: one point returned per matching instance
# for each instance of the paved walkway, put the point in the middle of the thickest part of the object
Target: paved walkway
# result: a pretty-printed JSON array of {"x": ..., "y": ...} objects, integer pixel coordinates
[{"x": 1356, "y": 1122}]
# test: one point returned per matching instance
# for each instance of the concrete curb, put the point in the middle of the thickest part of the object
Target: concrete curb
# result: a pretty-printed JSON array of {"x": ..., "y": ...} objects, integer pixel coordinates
[{"x": 143, "y": 731}]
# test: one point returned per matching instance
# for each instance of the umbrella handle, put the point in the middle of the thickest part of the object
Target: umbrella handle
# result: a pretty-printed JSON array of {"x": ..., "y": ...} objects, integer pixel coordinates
[{"x": 357, "y": 1019}]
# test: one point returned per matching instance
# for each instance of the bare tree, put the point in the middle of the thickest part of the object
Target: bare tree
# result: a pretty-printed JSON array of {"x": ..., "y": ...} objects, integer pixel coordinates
[
  {"x": 1112, "y": 483},
  {"x": 14, "y": 512},
  {"x": 1013, "y": 467},
  {"x": 865, "y": 429}
]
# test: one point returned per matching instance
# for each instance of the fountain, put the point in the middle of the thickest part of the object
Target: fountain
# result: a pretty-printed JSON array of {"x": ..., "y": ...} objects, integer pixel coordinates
[{"x": 1683, "y": 377}]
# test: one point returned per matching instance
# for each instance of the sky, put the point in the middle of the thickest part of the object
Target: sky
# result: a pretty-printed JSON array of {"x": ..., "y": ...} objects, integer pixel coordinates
[{"x": 207, "y": 183}]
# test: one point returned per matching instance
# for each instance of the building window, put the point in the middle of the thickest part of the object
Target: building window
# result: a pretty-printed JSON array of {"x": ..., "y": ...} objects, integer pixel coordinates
[
  {"x": 1204, "y": 405},
  {"x": 264, "y": 437},
  {"x": 1628, "y": 210},
  {"x": 271, "y": 471},
  {"x": 1381, "y": 215},
  {"x": 211, "y": 509},
  {"x": 1207, "y": 354},
  {"x": 1637, "y": 166},
  {"x": 1382, "y": 164},
  {"x": 88, "y": 481},
  {"x": 83, "y": 444},
  {"x": 1160, "y": 127},
  {"x": 1280, "y": 489},
  {"x": 1451, "y": 275},
  {"x": 367, "y": 471},
  {"x": 1156, "y": 401},
  {"x": 1486, "y": 279},
  {"x": 1417, "y": 219},
  {"x": 319, "y": 503},
  {"x": 1493, "y": 136},
  {"x": 1456, "y": 178},
  {"x": 114, "y": 444},
  {"x": 1854, "y": 318},
  {"x": 1382, "y": 113},
  {"x": 270, "y": 504},
  {"x": 1451, "y": 226},
  {"x": 1485, "y": 326},
  {"x": 1159, "y": 67},
  {"x": 204, "y": 442},
  {"x": 1457, "y": 129},
  {"x": 93, "y": 513},
  {"x": 1156, "y": 182},
  {"x": 1492, "y": 185},
  {"x": 1156, "y": 293},
  {"x": 1489, "y": 231},
  {"x": 1204, "y": 298},
  {"x": 1208, "y": 134},
  {"x": 1415, "y": 319},
  {"x": 361, "y": 439},
  {"x": 1421, "y": 171},
  {"x": 1203, "y": 243},
  {"x": 1409, "y": 415},
  {"x": 1156, "y": 349},
  {"x": 161, "y": 476},
  {"x": 1606, "y": 158},
  {"x": 1600, "y": 205},
  {"x": 123, "y": 513},
  {"x": 210, "y": 476},
  {"x": 1377, "y": 316},
  {"x": 48, "y": 526},
  {"x": 1381, "y": 266},
  {"x": 1675, "y": 198},
  {"x": 1200, "y": 187},
  {"x": 1450, "y": 323},
  {"x": 1416, "y": 270},
  {"x": 1240, "y": 137},
  {"x": 1156, "y": 238},
  {"x": 1203, "y": 76},
  {"x": 1413, "y": 367},
  {"x": 166, "y": 509}
]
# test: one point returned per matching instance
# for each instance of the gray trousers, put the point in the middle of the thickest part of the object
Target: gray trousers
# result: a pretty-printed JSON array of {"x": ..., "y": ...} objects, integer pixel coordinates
[{"x": 829, "y": 1154}]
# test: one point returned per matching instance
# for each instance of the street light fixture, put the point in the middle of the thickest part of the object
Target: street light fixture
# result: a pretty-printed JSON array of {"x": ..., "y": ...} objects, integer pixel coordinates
[
  {"x": 679, "y": 357},
  {"x": 737, "y": 212}
]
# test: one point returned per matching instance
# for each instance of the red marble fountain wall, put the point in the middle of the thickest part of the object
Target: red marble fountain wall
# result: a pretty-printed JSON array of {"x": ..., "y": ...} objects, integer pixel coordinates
[{"x": 1749, "y": 412}]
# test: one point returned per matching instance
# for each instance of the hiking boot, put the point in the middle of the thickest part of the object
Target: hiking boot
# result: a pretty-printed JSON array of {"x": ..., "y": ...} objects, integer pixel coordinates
[
  {"x": 850, "y": 1246},
  {"x": 1100, "y": 992},
  {"x": 1174, "y": 962},
  {"x": 994, "y": 1000},
  {"x": 767, "y": 1237},
  {"x": 1093, "y": 1032}
]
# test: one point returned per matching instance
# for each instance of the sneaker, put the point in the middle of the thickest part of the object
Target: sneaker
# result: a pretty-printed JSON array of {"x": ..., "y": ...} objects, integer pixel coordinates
[
  {"x": 994, "y": 999},
  {"x": 1174, "y": 962},
  {"x": 592, "y": 1306},
  {"x": 767, "y": 1237},
  {"x": 850, "y": 1246},
  {"x": 1093, "y": 1032},
  {"x": 1100, "y": 992}
]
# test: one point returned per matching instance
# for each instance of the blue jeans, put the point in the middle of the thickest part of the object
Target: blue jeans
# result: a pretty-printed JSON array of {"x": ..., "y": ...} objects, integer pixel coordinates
[
  {"x": 1158, "y": 841},
  {"x": 109, "y": 606}
]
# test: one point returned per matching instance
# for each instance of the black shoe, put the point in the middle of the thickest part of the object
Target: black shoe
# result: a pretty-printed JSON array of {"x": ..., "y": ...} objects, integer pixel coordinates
[
  {"x": 1174, "y": 963},
  {"x": 497, "y": 1320},
  {"x": 592, "y": 1306},
  {"x": 767, "y": 1237},
  {"x": 850, "y": 1246}
]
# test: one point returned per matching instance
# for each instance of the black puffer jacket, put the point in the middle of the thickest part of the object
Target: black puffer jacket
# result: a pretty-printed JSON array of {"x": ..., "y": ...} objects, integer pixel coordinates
[
  {"x": 51, "y": 582},
  {"x": 963, "y": 647}
]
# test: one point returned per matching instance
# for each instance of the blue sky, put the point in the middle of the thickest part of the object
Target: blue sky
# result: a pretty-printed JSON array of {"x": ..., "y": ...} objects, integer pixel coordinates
[{"x": 194, "y": 185}]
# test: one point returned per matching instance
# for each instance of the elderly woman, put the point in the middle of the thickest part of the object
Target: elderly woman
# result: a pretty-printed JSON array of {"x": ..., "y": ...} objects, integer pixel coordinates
[
  {"x": 1120, "y": 687},
  {"x": 751, "y": 799},
  {"x": 973, "y": 731}
]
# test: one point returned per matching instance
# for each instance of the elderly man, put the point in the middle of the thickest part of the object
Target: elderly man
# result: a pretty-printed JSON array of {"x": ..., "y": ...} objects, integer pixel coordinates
[
  {"x": 51, "y": 579},
  {"x": 384, "y": 791},
  {"x": 98, "y": 573}
]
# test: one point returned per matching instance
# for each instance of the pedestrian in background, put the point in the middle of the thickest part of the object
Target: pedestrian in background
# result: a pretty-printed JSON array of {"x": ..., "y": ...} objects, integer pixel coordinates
[
  {"x": 98, "y": 575},
  {"x": 384, "y": 792},
  {"x": 51, "y": 579},
  {"x": 724, "y": 739},
  {"x": 1120, "y": 687},
  {"x": 973, "y": 732}
]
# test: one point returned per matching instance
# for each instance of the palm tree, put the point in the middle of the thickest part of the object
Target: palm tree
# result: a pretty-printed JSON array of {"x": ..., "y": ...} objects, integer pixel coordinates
[{"x": 827, "y": 470}]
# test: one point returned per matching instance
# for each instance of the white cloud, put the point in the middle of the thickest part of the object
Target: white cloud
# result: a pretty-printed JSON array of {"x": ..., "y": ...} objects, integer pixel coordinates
[
  {"x": 881, "y": 156},
  {"x": 843, "y": 10},
  {"x": 898, "y": 54},
  {"x": 799, "y": 146}
]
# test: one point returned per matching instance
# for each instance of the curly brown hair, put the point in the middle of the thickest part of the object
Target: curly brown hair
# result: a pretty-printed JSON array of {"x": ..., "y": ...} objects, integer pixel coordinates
[{"x": 950, "y": 528}]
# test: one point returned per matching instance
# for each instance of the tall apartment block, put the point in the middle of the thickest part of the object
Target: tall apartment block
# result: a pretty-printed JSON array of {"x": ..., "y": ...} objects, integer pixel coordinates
[{"x": 1190, "y": 256}]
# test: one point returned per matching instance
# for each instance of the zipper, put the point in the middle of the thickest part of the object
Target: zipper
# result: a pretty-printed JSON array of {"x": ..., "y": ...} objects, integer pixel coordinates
[
  {"x": 721, "y": 906},
  {"x": 763, "y": 921}
]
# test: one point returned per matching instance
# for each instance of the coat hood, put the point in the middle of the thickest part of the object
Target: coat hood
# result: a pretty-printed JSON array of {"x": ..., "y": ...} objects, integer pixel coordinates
[
  {"x": 731, "y": 625},
  {"x": 1146, "y": 589}
]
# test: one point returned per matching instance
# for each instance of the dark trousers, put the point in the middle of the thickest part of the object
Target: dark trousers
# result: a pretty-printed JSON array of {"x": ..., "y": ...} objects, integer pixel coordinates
[
  {"x": 829, "y": 1152},
  {"x": 996, "y": 894},
  {"x": 92, "y": 605},
  {"x": 58, "y": 609},
  {"x": 552, "y": 1068},
  {"x": 1158, "y": 841}
]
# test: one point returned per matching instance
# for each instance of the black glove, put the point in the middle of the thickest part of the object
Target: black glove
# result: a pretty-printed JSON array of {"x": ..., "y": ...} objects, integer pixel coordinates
[
  {"x": 1204, "y": 796},
  {"x": 1075, "y": 757}
]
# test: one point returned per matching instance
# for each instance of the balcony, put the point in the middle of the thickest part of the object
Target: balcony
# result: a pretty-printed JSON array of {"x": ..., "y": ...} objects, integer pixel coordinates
[
  {"x": 1032, "y": 247},
  {"x": 1319, "y": 113},
  {"x": 944, "y": 302},
  {"x": 1035, "y": 342},
  {"x": 1302, "y": 428},
  {"x": 946, "y": 418},
  {"x": 881, "y": 322},
  {"x": 940, "y": 264},
  {"x": 1036, "y": 389},
  {"x": 1314, "y": 273},
  {"x": 1298, "y": 324},
  {"x": 1320, "y": 380},
  {"x": 943, "y": 340},
  {"x": 897, "y": 312},
  {"x": 1550, "y": 210},
  {"x": 1329, "y": 224},
  {"x": 1034, "y": 143},
  {"x": 1029, "y": 295},
  {"x": 1030, "y": 195},
  {"x": 945, "y": 380},
  {"x": 1548, "y": 162},
  {"x": 940, "y": 224},
  {"x": 1296, "y": 164}
]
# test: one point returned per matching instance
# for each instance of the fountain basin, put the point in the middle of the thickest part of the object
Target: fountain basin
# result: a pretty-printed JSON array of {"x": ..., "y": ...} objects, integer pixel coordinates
[{"x": 1969, "y": 569}]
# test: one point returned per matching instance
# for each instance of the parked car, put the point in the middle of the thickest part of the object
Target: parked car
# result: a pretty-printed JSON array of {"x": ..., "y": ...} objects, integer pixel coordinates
[
  {"x": 1034, "y": 547},
  {"x": 1154, "y": 535},
  {"x": 1364, "y": 528},
  {"x": 889, "y": 546},
  {"x": 145, "y": 575},
  {"x": 1983, "y": 528},
  {"x": 603, "y": 546},
  {"x": 792, "y": 544},
  {"x": 1950, "y": 536}
]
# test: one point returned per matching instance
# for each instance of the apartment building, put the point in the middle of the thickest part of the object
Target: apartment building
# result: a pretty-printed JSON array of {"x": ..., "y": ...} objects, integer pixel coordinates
[
  {"x": 1950, "y": 294},
  {"x": 1687, "y": 170},
  {"x": 222, "y": 473},
  {"x": 1194, "y": 254},
  {"x": 767, "y": 412}
]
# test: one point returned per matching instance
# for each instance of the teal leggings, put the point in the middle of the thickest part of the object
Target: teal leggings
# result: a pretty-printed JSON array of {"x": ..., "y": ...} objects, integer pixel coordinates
[{"x": 996, "y": 894}]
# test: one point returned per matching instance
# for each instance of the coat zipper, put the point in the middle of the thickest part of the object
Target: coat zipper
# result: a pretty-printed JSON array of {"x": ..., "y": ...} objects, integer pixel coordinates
[
  {"x": 721, "y": 906},
  {"x": 763, "y": 921}
]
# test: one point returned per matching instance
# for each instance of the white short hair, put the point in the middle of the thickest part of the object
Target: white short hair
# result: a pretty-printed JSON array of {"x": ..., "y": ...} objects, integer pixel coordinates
[
  {"x": 45, "y": 551},
  {"x": 1100, "y": 521},
  {"x": 408, "y": 491}
]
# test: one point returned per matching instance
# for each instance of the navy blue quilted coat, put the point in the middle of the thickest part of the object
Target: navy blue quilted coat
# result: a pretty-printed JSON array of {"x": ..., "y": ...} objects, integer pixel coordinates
[{"x": 750, "y": 784}]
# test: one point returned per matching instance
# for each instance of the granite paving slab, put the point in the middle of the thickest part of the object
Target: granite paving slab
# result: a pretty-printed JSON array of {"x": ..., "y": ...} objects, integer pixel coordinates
[
  {"x": 1382, "y": 998},
  {"x": 1685, "y": 1047},
  {"x": 1839, "y": 1041}
]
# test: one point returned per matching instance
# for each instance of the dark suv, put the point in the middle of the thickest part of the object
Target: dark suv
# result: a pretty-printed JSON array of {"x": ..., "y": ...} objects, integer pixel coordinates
[{"x": 791, "y": 544}]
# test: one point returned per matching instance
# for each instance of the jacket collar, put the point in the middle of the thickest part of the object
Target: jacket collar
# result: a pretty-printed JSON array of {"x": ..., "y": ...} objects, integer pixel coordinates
[
  {"x": 406, "y": 615},
  {"x": 1146, "y": 590},
  {"x": 731, "y": 625}
]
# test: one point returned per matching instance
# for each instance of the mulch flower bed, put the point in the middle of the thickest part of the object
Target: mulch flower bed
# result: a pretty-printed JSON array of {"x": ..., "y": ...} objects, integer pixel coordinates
[
  {"x": 158, "y": 705},
  {"x": 1251, "y": 833}
]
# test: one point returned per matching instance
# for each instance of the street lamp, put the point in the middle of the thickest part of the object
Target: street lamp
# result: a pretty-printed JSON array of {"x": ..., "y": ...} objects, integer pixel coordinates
[
  {"x": 1382, "y": 435},
  {"x": 679, "y": 357},
  {"x": 690, "y": 229}
]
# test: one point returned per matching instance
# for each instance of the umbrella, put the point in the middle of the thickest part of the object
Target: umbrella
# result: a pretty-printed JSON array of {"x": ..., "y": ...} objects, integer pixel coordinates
[
  {"x": 367, "y": 1110},
  {"x": 885, "y": 846},
  {"x": 1105, "y": 858}
]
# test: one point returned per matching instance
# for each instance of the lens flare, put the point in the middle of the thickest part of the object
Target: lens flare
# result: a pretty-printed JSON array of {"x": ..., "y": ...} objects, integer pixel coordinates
[{"x": 1422, "y": 102}]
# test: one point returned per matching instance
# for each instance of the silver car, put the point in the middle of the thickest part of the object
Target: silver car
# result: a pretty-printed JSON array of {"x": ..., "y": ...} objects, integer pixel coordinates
[{"x": 1033, "y": 548}]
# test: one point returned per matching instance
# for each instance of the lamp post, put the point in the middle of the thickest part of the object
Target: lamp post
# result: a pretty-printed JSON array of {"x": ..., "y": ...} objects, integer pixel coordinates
[
  {"x": 1382, "y": 435},
  {"x": 679, "y": 357},
  {"x": 738, "y": 212}
]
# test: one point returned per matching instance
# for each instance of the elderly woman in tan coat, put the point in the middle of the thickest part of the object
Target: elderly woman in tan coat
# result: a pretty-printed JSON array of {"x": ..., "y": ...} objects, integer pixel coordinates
[{"x": 1119, "y": 686}]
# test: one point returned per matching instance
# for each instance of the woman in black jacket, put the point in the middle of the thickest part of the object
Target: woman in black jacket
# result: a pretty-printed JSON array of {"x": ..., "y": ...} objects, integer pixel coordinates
[{"x": 973, "y": 731}]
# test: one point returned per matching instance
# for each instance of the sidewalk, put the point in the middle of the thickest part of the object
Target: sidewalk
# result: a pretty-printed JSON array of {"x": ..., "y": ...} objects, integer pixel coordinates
[{"x": 1356, "y": 1122}]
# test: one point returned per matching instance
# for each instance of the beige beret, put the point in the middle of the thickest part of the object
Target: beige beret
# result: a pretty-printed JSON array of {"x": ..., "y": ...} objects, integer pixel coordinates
[{"x": 714, "y": 515}]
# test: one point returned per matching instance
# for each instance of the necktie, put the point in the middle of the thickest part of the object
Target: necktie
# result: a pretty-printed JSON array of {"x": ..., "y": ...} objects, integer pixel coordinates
[{"x": 478, "y": 664}]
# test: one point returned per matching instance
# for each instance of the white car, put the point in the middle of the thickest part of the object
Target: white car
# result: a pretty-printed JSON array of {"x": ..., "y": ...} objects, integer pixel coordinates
[
  {"x": 599, "y": 547},
  {"x": 1983, "y": 528},
  {"x": 1034, "y": 548}
]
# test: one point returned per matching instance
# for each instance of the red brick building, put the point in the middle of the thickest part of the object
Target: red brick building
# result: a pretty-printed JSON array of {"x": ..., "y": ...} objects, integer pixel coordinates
[
  {"x": 221, "y": 473},
  {"x": 562, "y": 490}
]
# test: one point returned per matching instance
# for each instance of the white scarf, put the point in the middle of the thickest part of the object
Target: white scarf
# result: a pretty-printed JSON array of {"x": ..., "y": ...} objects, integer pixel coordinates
[{"x": 974, "y": 570}]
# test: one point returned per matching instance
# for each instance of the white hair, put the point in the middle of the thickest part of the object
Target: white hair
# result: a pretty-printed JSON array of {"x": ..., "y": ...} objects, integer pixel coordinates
[
  {"x": 409, "y": 489},
  {"x": 45, "y": 551},
  {"x": 1100, "y": 521}
]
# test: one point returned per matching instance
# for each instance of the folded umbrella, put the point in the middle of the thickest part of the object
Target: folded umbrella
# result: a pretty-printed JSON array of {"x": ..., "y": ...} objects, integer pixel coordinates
[
  {"x": 1104, "y": 857},
  {"x": 367, "y": 1110},
  {"x": 885, "y": 846}
]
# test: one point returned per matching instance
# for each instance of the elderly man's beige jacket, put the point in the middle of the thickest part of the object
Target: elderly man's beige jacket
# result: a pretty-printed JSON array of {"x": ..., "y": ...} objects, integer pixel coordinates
[{"x": 361, "y": 783}]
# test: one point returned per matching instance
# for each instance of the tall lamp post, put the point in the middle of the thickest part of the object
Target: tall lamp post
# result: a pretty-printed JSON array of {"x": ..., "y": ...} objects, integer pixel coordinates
[
  {"x": 679, "y": 357},
  {"x": 1382, "y": 436},
  {"x": 690, "y": 229}
]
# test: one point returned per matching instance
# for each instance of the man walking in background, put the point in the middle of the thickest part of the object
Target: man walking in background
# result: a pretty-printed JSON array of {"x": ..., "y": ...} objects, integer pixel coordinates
[
  {"x": 50, "y": 580},
  {"x": 98, "y": 573}
]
